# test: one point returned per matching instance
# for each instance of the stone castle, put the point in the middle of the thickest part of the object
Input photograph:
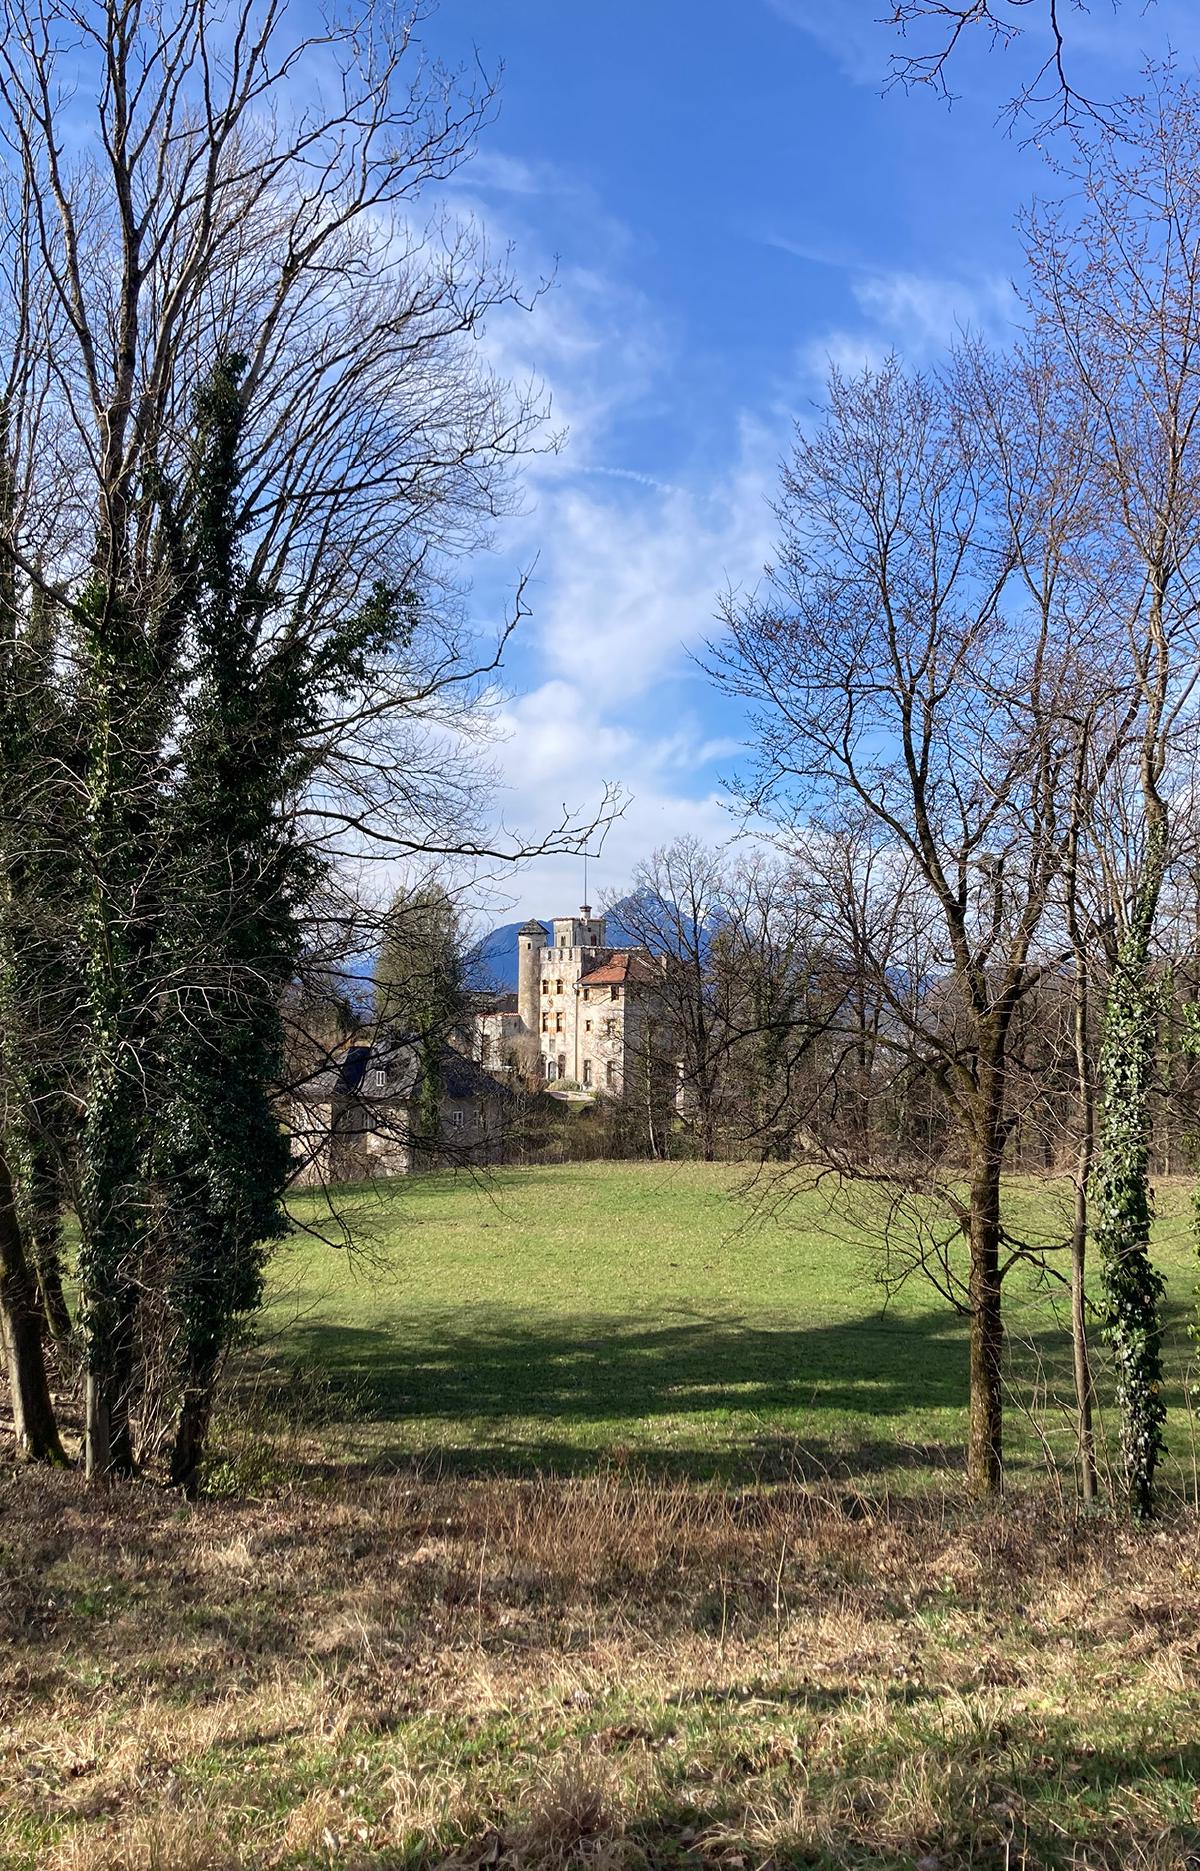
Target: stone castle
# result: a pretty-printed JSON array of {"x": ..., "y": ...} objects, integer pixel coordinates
[{"x": 584, "y": 1014}]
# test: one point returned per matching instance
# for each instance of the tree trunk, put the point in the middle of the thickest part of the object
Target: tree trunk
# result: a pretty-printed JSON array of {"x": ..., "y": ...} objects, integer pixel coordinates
[
  {"x": 45, "y": 1211},
  {"x": 1084, "y": 1433},
  {"x": 1085, "y": 1436},
  {"x": 1124, "y": 1199},
  {"x": 20, "y": 1313},
  {"x": 54, "y": 1301},
  {"x": 985, "y": 1431},
  {"x": 1086, "y": 1097},
  {"x": 120, "y": 1431},
  {"x": 108, "y": 1443},
  {"x": 108, "y": 1438},
  {"x": 191, "y": 1431},
  {"x": 96, "y": 1438}
]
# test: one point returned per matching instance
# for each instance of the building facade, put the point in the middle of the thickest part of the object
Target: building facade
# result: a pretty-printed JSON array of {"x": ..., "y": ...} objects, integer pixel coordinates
[
  {"x": 586, "y": 1014},
  {"x": 361, "y": 1115}
]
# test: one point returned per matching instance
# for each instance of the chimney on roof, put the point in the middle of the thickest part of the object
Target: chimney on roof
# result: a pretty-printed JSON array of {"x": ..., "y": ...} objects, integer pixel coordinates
[{"x": 585, "y": 910}]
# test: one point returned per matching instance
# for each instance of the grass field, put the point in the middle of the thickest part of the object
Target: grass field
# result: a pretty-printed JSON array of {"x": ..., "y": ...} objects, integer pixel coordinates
[
  {"x": 741, "y": 1620},
  {"x": 564, "y": 1317},
  {"x": 595, "y": 1673}
]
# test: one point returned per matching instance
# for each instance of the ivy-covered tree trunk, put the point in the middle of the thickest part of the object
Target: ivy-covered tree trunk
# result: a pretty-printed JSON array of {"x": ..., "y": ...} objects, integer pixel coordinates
[
  {"x": 112, "y": 1234},
  {"x": 233, "y": 879},
  {"x": 1084, "y": 1432},
  {"x": 113, "y": 1209},
  {"x": 1085, "y": 1440},
  {"x": 1121, "y": 1195},
  {"x": 27, "y": 753},
  {"x": 34, "y": 1423}
]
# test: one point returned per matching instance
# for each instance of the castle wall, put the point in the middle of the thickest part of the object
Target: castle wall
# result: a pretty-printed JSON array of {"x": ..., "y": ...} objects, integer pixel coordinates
[
  {"x": 573, "y": 1031},
  {"x": 596, "y": 1036}
]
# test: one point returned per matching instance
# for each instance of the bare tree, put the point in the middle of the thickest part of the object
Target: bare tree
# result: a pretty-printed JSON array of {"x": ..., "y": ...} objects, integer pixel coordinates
[
  {"x": 1116, "y": 292},
  {"x": 673, "y": 911},
  {"x": 1048, "y": 91},
  {"x": 906, "y": 669},
  {"x": 781, "y": 990}
]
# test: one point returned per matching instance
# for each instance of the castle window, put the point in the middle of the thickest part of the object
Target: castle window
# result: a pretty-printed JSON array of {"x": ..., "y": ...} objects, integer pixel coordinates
[
  {"x": 558, "y": 1023},
  {"x": 587, "y": 1071},
  {"x": 458, "y": 1119},
  {"x": 587, "y": 1026},
  {"x": 610, "y": 1028},
  {"x": 610, "y": 1075},
  {"x": 614, "y": 993},
  {"x": 560, "y": 987},
  {"x": 548, "y": 1068},
  {"x": 545, "y": 1023},
  {"x": 587, "y": 993},
  {"x": 379, "y": 1080}
]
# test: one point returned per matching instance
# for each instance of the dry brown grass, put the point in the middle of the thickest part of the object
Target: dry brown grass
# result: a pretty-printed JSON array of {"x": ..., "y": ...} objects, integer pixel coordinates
[{"x": 595, "y": 1672}]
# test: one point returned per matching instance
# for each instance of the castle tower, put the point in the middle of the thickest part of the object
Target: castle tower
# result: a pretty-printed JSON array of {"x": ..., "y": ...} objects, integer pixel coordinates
[
  {"x": 531, "y": 940},
  {"x": 579, "y": 932}
]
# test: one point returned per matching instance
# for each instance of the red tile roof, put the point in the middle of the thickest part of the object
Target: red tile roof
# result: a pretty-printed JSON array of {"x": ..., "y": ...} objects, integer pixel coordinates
[{"x": 626, "y": 966}]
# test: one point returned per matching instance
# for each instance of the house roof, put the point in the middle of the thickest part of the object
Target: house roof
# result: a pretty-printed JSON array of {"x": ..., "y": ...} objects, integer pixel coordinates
[
  {"x": 625, "y": 967},
  {"x": 398, "y": 1056},
  {"x": 464, "y": 1078},
  {"x": 494, "y": 1003}
]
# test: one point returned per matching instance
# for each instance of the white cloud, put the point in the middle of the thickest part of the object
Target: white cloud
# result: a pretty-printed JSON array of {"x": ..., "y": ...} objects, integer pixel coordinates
[
  {"x": 917, "y": 315},
  {"x": 560, "y": 748},
  {"x": 923, "y": 313},
  {"x": 489, "y": 170},
  {"x": 628, "y": 584},
  {"x": 595, "y": 344}
]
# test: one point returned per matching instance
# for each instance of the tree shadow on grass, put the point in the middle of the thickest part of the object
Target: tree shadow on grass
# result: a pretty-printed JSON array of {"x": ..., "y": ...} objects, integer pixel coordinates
[{"x": 491, "y": 1390}]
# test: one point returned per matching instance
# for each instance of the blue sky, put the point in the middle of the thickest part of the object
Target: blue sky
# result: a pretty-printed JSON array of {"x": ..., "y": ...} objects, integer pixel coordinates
[{"x": 730, "y": 201}]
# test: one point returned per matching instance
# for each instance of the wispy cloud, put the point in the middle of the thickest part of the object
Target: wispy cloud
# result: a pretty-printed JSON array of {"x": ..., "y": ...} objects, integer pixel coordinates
[
  {"x": 923, "y": 312},
  {"x": 632, "y": 583},
  {"x": 491, "y": 170},
  {"x": 917, "y": 315},
  {"x": 636, "y": 476},
  {"x": 848, "y": 30},
  {"x": 813, "y": 252}
]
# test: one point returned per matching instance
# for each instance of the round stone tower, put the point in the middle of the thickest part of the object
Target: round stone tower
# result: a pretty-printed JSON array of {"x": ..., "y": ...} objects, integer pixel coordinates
[{"x": 531, "y": 940}]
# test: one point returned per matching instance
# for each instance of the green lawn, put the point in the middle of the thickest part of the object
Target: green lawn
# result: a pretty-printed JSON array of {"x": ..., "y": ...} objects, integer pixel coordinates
[
  {"x": 441, "y": 1663},
  {"x": 566, "y": 1316}
]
